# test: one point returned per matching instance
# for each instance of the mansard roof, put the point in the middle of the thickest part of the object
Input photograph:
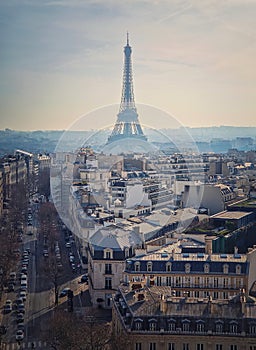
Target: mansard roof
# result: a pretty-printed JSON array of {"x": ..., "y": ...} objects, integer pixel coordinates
[{"x": 115, "y": 238}]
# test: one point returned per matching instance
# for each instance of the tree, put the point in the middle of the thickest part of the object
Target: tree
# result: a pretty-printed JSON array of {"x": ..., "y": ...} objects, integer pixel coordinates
[
  {"x": 67, "y": 331},
  {"x": 44, "y": 183}
]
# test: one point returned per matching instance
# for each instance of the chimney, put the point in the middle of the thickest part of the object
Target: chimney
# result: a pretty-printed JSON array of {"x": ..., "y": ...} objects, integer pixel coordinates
[
  {"x": 208, "y": 244},
  {"x": 163, "y": 304},
  {"x": 243, "y": 301},
  {"x": 210, "y": 305}
]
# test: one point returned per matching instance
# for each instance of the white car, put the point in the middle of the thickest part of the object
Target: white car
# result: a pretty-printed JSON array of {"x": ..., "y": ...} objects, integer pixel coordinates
[{"x": 23, "y": 295}]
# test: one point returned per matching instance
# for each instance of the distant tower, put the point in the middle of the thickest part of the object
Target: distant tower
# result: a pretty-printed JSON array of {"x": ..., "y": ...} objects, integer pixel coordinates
[{"x": 127, "y": 124}]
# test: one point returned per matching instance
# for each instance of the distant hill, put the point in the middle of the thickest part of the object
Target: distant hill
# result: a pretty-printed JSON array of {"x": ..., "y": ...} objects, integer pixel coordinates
[{"x": 46, "y": 141}]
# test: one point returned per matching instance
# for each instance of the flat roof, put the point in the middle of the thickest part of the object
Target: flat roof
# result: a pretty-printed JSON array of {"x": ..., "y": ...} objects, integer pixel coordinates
[{"x": 231, "y": 215}]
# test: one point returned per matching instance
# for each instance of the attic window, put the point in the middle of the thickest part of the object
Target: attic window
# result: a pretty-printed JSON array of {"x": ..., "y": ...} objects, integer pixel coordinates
[
  {"x": 225, "y": 268},
  {"x": 108, "y": 254},
  {"x": 126, "y": 252},
  {"x": 206, "y": 268},
  {"x": 149, "y": 266},
  {"x": 137, "y": 266},
  {"x": 187, "y": 268},
  {"x": 168, "y": 267},
  {"x": 238, "y": 269}
]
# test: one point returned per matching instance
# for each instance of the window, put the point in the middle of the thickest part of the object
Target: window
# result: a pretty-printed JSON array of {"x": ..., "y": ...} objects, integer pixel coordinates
[
  {"x": 178, "y": 281},
  {"x": 149, "y": 266},
  {"x": 108, "y": 254},
  {"x": 225, "y": 268},
  {"x": 253, "y": 330},
  {"x": 185, "y": 346},
  {"x": 199, "y": 346},
  {"x": 185, "y": 326},
  {"x": 171, "y": 346},
  {"x": 187, "y": 268},
  {"x": 168, "y": 281},
  {"x": 238, "y": 269},
  {"x": 219, "y": 327},
  {"x": 233, "y": 347},
  {"x": 152, "y": 346},
  {"x": 200, "y": 327},
  {"x": 225, "y": 282},
  {"x": 215, "y": 282},
  {"x": 171, "y": 326},
  {"x": 152, "y": 326},
  {"x": 168, "y": 267},
  {"x": 138, "y": 325},
  {"x": 108, "y": 283},
  {"x": 108, "y": 268},
  {"x": 233, "y": 327},
  {"x": 137, "y": 266},
  {"x": 218, "y": 347},
  {"x": 215, "y": 295},
  {"x": 206, "y": 268},
  {"x": 138, "y": 346},
  {"x": 126, "y": 252}
]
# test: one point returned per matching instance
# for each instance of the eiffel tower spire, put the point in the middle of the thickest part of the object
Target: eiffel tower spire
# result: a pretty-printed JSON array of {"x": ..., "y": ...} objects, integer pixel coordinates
[{"x": 127, "y": 124}]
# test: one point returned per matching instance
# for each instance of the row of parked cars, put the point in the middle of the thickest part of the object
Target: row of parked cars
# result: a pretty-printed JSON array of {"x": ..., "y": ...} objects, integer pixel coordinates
[{"x": 17, "y": 306}]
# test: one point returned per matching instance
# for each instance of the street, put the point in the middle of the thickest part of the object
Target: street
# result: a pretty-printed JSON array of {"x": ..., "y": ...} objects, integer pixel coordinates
[{"x": 40, "y": 295}]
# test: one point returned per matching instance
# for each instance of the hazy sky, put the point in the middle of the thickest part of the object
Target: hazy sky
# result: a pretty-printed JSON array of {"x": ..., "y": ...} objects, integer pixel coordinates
[{"x": 61, "y": 59}]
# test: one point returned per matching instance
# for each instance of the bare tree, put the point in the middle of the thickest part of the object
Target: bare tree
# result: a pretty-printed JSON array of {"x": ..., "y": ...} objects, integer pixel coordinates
[{"x": 69, "y": 332}]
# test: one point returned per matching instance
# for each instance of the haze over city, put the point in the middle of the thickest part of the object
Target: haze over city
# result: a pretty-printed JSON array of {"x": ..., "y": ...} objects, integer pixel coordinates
[{"x": 61, "y": 60}]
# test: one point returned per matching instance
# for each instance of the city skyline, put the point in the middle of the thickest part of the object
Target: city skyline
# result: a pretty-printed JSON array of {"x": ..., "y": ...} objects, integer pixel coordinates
[{"x": 62, "y": 60}]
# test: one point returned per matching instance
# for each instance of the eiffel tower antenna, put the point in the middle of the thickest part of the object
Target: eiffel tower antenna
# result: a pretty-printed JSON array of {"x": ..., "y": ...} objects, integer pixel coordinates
[{"x": 127, "y": 124}]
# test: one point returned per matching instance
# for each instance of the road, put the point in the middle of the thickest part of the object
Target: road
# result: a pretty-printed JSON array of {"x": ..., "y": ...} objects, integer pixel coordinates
[{"x": 40, "y": 293}]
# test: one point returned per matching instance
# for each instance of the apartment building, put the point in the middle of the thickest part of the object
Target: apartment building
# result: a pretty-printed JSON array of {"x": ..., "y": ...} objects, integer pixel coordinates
[{"x": 171, "y": 300}]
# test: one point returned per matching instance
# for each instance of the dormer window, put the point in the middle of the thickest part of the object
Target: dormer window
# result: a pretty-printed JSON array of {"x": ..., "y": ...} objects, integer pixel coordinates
[
  {"x": 187, "y": 268},
  {"x": 171, "y": 325},
  {"x": 137, "y": 266},
  {"x": 108, "y": 253},
  {"x": 168, "y": 267},
  {"x": 238, "y": 269},
  {"x": 225, "y": 268},
  {"x": 206, "y": 268},
  {"x": 138, "y": 324},
  {"x": 149, "y": 266},
  {"x": 219, "y": 326},
  {"x": 233, "y": 327},
  {"x": 152, "y": 325},
  {"x": 126, "y": 252},
  {"x": 185, "y": 325},
  {"x": 200, "y": 326}
]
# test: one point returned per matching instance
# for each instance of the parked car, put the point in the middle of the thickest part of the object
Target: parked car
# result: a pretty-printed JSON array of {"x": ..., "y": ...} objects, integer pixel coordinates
[
  {"x": 19, "y": 301},
  {"x": 19, "y": 334},
  {"x": 10, "y": 287},
  {"x": 21, "y": 308},
  {"x": 8, "y": 306},
  {"x": 20, "y": 317},
  {"x": 23, "y": 295},
  {"x": 64, "y": 292},
  {"x": 21, "y": 326},
  {"x": 84, "y": 279}
]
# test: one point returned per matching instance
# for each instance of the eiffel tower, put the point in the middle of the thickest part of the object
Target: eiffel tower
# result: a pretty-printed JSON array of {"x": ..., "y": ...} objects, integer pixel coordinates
[{"x": 127, "y": 124}]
